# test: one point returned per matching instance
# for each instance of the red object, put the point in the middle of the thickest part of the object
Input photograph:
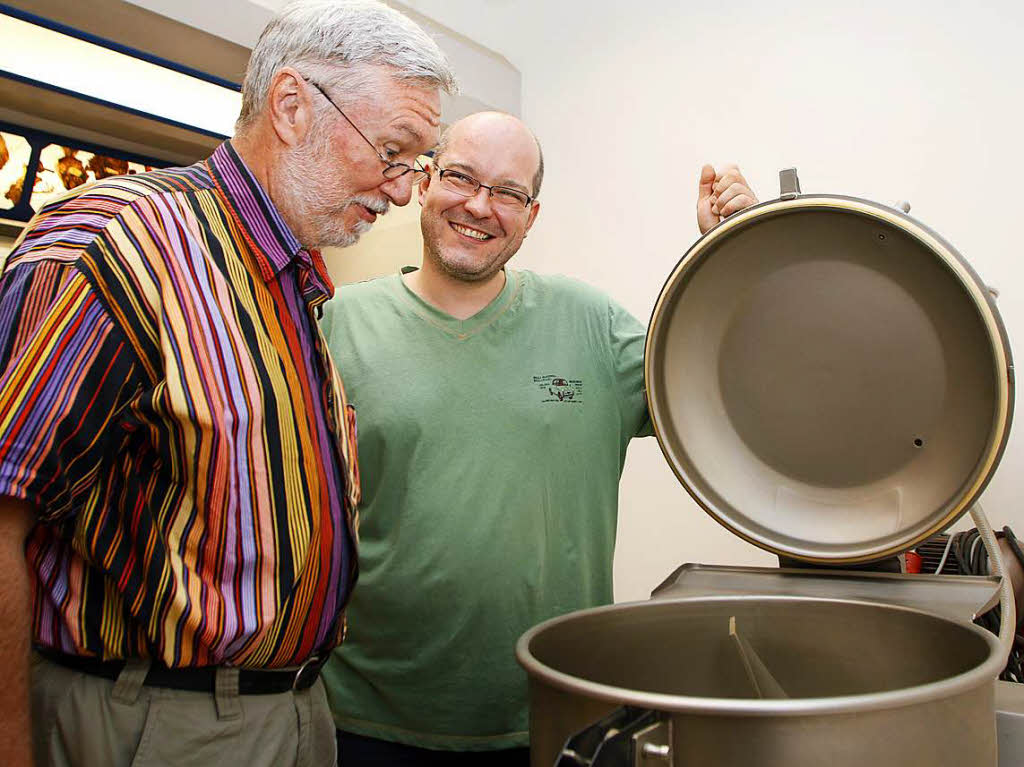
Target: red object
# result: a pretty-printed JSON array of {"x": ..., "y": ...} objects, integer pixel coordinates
[{"x": 914, "y": 561}]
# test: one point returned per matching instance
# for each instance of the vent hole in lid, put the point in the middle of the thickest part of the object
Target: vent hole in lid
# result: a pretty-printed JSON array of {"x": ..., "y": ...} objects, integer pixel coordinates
[{"x": 918, "y": 442}]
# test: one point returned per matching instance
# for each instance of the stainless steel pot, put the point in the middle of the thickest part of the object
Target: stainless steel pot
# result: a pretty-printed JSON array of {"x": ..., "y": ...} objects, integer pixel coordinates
[
  {"x": 831, "y": 381},
  {"x": 845, "y": 684}
]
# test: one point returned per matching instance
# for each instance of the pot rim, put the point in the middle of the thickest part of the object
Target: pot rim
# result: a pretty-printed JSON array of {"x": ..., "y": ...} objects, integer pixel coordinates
[{"x": 984, "y": 673}]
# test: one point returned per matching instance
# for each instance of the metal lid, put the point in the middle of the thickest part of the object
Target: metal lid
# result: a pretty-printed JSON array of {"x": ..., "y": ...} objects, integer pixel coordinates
[{"x": 828, "y": 378}]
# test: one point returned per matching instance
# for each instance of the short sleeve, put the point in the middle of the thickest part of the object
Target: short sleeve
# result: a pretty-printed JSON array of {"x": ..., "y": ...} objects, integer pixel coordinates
[
  {"x": 626, "y": 337},
  {"x": 66, "y": 374}
]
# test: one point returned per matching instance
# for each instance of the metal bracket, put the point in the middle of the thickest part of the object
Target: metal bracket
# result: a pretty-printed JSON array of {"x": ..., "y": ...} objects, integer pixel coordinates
[
  {"x": 628, "y": 737},
  {"x": 652, "y": 746},
  {"x": 789, "y": 184}
]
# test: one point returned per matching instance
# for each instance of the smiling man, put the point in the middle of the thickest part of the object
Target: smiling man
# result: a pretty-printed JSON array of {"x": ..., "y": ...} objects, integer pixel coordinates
[
  {"x": 496, "y": 406},
  {"x": 468, "y": 236}
]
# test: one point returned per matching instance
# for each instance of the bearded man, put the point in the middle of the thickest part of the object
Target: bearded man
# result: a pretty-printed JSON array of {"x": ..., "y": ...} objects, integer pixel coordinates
[{"x": 178, "y": 478}]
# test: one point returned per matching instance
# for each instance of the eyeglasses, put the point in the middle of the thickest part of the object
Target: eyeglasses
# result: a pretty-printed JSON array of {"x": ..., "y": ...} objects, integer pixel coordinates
[
  {"x": 394, "y": 169},
  {"x": 468, "y": 186}
]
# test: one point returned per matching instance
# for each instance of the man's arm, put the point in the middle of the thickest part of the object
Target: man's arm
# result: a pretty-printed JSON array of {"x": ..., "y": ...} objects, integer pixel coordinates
[{"x": 16, "y": 519}]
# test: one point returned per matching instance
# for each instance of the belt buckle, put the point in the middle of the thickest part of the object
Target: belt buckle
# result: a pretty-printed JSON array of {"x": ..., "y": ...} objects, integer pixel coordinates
[{"x": 313, "y": 662}]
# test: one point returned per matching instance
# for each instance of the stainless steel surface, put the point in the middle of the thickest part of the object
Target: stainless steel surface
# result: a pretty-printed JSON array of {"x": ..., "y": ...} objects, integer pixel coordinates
[
  {"x": 868, "y": 684},
  {"x": 960, "y": 598},
  {"x": 829, "y": 378},
  {"x": 761, "y": 679},
  {"x": 1010, "y": 723},
  {"x": 831, "y": 381}
]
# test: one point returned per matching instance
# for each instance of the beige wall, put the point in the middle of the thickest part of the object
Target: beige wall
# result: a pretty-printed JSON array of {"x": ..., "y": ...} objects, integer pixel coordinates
[{"x": 395, "y": 241}]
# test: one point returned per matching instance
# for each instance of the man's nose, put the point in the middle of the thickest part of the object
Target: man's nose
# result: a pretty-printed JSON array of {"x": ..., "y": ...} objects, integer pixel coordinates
[
  {"x": 398, "y": 190},
  {"x": 480, "y": 203}
]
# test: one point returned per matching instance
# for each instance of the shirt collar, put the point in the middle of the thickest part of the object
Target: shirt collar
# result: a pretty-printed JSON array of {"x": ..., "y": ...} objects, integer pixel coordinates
[
  {"x": 314, "y": 280},
  {"x": 273, "y": 242}
]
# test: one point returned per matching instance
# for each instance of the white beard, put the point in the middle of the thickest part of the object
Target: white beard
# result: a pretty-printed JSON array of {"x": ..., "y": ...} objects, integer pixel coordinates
[{"x": 308, "y": 186}]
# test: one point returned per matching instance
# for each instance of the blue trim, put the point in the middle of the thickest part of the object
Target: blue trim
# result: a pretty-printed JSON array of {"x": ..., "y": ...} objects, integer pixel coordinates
[
  {"x": 44, "y": 138},
  {"x": 112, "y": 105},
  {"x": 111, "y": 45},
  {"x": 38, "y": 140}
]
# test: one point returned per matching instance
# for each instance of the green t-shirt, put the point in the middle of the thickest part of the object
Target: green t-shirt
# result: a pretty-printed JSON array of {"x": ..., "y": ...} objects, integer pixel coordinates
[{"x": 490, "y": 451}]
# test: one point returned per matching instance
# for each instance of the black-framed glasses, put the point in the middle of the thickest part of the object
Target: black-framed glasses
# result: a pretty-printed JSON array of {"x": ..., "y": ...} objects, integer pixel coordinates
[
  {"x": 394, "y": 169},
  {"x": 467, "y": 186}
]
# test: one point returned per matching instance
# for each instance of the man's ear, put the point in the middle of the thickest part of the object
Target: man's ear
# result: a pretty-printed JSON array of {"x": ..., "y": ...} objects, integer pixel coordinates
[
  {"x": 534, "y": 210},
  {"x": 289, "y": 106},
  {"x": 421, "y": 189}
]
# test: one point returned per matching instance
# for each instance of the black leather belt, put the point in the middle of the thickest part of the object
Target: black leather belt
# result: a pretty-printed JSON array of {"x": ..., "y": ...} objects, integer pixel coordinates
[{"x": 199, "y": 678}]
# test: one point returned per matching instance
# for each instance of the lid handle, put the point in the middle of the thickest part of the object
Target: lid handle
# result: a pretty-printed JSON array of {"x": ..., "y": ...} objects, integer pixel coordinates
[{"x": 789, "y": 184}]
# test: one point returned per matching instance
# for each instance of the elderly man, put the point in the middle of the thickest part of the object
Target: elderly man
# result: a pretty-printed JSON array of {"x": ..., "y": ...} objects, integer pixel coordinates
[
  {"x": 178, "y": 476},
  {"x": 495, "y": 406}
]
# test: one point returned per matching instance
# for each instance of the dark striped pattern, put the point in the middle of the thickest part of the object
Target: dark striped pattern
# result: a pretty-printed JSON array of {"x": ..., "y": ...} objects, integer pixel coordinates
[{"x": 168, "y": 403}]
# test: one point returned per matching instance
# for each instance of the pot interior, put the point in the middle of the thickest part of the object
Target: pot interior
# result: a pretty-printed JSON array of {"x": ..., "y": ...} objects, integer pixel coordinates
[
  {"x": 758, "y": 648},
  {"x": 825, "y": 384}
]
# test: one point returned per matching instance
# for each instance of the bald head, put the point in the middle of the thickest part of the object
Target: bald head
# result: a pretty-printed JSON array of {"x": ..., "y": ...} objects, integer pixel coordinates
[
  {"x": 469, "y": 235},
  {"x": 502, "y": 127}
]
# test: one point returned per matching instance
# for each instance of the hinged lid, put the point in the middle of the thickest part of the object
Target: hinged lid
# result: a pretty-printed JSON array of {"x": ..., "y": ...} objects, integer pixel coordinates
[{"x": 828, "y": 378}]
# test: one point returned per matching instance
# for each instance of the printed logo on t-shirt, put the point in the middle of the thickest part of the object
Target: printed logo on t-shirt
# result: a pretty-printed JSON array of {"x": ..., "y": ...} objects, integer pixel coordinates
[{"x": 558, "y": 389}]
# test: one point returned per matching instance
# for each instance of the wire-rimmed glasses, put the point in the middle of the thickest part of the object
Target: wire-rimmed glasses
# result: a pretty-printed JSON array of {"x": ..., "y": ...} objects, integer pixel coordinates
[
  {"x": 467, "y": 186},
  {"x": 394, "y": 169}
]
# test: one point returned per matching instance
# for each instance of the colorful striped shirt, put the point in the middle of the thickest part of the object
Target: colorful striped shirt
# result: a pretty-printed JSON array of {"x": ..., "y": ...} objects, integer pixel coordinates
[{"x": 168, "y": 403}]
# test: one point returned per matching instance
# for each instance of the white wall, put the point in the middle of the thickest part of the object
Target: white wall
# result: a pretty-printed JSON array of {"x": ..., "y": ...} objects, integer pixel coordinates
[{"x": 885, "y": 100}]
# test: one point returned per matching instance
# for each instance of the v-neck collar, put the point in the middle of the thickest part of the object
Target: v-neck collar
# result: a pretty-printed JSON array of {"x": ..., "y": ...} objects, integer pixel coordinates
[{"x": 460, "y": 329}]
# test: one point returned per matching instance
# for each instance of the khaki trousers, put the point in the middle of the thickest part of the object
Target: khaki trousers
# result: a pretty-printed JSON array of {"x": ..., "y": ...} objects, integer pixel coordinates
[{"x": 80, "y": 720}]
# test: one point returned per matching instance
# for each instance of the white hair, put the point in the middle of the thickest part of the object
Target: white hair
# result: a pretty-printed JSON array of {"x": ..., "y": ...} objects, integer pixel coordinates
[{"x": 330, "y": 35}]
